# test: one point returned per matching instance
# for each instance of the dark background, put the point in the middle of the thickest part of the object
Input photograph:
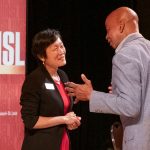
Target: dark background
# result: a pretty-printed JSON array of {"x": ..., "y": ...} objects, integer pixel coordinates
[{"x": 81, "y": 23}]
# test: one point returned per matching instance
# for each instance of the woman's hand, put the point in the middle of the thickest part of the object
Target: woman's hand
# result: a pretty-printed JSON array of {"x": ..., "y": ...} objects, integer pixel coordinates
[{"x": 72, "y": 121}]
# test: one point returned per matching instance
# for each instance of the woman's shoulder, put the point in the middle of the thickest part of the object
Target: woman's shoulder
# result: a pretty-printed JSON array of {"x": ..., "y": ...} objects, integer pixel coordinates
[
  {"x": 36, "y": 75},
  {"x": 33, "y": 72},
  {"x": 63, "y": 75}
]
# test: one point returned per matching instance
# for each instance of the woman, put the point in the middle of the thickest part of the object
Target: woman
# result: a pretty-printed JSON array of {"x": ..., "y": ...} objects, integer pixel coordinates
[{"x": 45, "y": 105}]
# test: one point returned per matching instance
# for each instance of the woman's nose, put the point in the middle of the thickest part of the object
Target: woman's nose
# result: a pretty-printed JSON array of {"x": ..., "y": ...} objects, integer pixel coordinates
[{"x": 61, "y": 50}]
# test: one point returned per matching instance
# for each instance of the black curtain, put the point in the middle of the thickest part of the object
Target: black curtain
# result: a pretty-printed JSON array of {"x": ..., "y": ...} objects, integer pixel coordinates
[{"x": 81, "y": 23}]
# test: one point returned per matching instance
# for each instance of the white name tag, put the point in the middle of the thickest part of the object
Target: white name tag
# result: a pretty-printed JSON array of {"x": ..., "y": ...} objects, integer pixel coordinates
[{"x": 49, "y": 86}]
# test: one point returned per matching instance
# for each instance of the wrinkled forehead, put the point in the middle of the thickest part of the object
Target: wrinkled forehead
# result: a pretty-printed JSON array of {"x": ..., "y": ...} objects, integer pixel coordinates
[
  {"x": 111, "y": 19},
  {"x": 108, "y": 20}
]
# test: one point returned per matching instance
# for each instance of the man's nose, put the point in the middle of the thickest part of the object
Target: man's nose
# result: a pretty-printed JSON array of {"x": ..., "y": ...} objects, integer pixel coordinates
[{"x": 106, "y": 37}]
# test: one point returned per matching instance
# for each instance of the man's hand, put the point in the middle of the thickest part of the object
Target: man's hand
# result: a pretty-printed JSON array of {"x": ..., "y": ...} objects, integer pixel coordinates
[
  {"x": 110, "y": 89},
  {"x": 80, "y": 91}
]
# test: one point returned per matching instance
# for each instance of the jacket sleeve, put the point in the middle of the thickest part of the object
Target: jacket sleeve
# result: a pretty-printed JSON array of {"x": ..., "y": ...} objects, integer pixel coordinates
[
  {"x": 126, "y": 83},
  {"x": 29, "y": 100}
]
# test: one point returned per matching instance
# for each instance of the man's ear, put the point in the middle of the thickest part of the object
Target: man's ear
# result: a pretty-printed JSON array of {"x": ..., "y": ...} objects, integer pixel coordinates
[{"x": 122, "y": 26}]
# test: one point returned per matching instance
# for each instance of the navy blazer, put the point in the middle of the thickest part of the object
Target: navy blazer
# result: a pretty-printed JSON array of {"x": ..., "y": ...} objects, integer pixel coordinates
[{"x": 37, "y": 100}]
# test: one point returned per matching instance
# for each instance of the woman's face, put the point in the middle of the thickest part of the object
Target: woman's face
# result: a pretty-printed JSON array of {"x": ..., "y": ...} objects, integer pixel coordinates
[{"x": 55, "y": 55}]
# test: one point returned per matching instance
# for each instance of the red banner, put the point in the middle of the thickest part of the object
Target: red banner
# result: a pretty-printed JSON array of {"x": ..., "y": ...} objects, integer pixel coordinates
[{"x": 12, "y": 69}]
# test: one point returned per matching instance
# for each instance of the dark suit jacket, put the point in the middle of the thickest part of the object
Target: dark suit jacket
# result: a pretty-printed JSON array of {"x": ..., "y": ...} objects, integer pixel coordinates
[{"x": 38, "y": 100}]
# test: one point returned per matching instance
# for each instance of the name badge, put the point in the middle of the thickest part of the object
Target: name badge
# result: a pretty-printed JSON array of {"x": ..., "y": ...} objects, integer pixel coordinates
[{"x": 49, "y": 86}]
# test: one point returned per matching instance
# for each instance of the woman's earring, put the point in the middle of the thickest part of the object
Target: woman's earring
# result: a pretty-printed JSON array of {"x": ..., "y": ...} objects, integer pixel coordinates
[{"x": 43, "y": 60}]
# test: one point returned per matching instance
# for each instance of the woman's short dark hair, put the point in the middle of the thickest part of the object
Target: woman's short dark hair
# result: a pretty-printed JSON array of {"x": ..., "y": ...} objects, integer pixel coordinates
[{"x": 42, "y": 40}]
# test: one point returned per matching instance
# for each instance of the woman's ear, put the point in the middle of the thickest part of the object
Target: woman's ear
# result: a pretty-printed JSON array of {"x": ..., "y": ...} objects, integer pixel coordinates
[{"x": 41, "y": 58}]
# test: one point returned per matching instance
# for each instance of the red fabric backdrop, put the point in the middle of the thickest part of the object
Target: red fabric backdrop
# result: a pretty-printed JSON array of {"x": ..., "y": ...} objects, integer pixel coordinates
[{"x": 12, "y": 69}]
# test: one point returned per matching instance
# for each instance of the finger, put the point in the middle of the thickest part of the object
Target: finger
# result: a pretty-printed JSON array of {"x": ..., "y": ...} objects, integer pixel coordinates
[
  {"x": 69, "y": 90},
  {"x": 71, "y": 94},
  {"x": 71, "y": 84},
  {"x": 76, "y": 123},
  {"x": 69, "y": 127},
  {"x": 72, "y": 127},
  {"x": 85, "y": 79},
  {"x": 70, "y": 113},
  {"x": 76, "y": 101},
  {"x": 110, "y": 87}
]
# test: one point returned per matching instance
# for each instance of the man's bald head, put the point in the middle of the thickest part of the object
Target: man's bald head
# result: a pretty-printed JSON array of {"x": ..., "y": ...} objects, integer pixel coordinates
[
  {"x": 124, "y": 13},
  {"x": 122, "y": 22}
]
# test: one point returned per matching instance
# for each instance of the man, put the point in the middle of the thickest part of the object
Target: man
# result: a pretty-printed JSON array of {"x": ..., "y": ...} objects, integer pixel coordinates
[{"x": 130, "y": 97}]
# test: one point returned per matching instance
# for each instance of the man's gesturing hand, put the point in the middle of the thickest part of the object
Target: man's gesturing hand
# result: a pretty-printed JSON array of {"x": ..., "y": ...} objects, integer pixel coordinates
[{"x": 80, "y": 91}]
